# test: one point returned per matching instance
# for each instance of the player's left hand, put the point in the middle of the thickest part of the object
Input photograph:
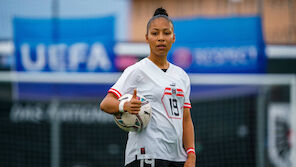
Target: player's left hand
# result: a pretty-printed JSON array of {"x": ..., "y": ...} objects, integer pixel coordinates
[
  {"x": 190, "y": 162},
  {"x": 134, "y": 105}
]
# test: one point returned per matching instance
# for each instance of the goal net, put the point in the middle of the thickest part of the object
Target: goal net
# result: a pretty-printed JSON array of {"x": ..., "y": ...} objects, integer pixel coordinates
[
  {"x": 53, "y": 120},
  {"x": 244, "y": 120}
]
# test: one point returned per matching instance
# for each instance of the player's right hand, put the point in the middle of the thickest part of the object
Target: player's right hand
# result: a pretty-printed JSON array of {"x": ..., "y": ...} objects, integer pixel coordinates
[{"x": 134, "y": 105}]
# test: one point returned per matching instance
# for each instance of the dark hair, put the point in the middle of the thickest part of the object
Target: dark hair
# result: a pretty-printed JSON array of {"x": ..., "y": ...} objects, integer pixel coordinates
[{"x": 159, "y": 12}]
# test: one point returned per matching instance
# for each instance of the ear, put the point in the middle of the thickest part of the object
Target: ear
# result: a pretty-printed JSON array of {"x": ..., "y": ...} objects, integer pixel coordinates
[
  {"x": 174, "y": 38},
  {"x": 146, "y": 37}
]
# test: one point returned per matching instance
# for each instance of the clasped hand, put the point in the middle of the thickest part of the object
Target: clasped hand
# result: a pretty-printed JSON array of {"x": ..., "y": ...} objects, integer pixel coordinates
[{"x": 134, "y": 105}]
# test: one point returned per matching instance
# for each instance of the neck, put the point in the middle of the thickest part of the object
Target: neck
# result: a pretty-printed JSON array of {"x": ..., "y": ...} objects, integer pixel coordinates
[{"x": 160, "y": 61}]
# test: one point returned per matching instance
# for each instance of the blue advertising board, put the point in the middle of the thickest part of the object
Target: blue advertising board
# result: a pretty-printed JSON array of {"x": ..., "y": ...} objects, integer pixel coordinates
[
  {"x": 64, "y": 45},
  {"x": 203, "y": 45},
  {"x": 219, "y": 45}
]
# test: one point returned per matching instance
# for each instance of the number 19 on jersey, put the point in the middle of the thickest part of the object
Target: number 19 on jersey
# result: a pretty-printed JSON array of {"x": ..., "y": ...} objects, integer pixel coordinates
[{"x": 173, "y": 100}]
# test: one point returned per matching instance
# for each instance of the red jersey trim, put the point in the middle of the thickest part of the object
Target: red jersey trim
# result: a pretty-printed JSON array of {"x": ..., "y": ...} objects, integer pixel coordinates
[
  {"x": 115, "y": 92},
  {"x": 187, "y": 105},
  {"x": 180, "y": 90}
]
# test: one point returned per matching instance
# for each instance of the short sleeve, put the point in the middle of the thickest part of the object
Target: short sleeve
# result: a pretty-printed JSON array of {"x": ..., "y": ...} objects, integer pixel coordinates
[
  {"x": 126, "y": 82},
  {"x": 187, "y": 103}
]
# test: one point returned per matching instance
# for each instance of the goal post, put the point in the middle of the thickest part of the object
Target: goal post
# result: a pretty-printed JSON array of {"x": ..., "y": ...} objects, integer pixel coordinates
[{"x": 293, "y": 120}]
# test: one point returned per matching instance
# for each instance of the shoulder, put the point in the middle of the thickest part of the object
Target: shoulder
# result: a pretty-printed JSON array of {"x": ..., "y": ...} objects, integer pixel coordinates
[
  {"x": 180, "y": 71},
  {"x": 135, "y": 68},
  {"x": 183, "y": 76}
]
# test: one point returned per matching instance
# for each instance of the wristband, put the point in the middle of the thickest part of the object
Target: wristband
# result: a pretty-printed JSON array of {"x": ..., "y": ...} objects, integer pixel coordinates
[
  {"x": 190, "y": 150},
  {"x": 121, "y": 104}
]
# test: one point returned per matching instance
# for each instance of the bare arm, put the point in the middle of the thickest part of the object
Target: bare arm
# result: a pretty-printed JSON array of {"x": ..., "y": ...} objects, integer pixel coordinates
[
  {"x": 188, "y": 137},
  {"x": 110, "y": 104}
]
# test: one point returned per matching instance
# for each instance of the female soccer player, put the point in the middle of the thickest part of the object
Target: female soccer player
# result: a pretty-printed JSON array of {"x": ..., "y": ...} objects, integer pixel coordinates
[{"x": 168, "y": 139}]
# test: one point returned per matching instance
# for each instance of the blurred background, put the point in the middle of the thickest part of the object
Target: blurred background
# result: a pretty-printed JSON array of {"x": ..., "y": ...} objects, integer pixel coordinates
[{"x": 58, "y": 58}]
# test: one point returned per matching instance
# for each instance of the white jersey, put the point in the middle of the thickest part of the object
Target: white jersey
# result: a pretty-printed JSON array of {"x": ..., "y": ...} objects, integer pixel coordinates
[{"x": 168, "y": 93}]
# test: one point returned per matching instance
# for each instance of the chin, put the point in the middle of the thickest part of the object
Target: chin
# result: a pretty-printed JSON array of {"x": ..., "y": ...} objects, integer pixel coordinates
[{"x": 162, "y": 53}]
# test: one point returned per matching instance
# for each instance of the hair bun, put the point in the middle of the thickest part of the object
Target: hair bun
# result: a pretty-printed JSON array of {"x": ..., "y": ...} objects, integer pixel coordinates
[{"x": 160, "y": 11}]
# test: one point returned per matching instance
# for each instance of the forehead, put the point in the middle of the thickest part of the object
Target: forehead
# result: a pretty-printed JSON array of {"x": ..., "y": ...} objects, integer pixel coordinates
[{"x": 160, "y": 23}]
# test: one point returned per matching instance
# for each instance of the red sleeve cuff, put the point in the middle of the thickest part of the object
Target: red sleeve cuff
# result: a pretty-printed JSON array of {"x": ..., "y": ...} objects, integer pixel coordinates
[
  {"x": 187, "y": 105},
  {"x": 115, "y": 92}
]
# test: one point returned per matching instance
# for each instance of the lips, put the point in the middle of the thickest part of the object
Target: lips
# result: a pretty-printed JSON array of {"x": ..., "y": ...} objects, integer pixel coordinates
[{"x": 161, "y": 46}]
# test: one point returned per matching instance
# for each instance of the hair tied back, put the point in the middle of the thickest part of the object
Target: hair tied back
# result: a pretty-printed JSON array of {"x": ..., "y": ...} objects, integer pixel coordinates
[{"x": 160, "y": 11}]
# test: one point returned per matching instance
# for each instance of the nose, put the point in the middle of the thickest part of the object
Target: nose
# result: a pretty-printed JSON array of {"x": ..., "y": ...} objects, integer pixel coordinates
[{"x": 160, "y": 37}]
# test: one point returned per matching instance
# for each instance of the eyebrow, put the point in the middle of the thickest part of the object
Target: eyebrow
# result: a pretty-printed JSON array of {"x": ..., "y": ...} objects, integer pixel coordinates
[{"x": 160, "y": 29}]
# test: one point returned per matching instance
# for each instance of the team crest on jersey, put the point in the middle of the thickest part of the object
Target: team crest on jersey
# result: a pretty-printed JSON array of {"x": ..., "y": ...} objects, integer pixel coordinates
[{"x": 174, "y": 91}]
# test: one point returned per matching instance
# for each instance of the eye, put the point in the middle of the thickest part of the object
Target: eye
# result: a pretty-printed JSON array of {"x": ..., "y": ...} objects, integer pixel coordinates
[
  {"x": 153, "y": 33},
  {"x": 167, "y": 33}
]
